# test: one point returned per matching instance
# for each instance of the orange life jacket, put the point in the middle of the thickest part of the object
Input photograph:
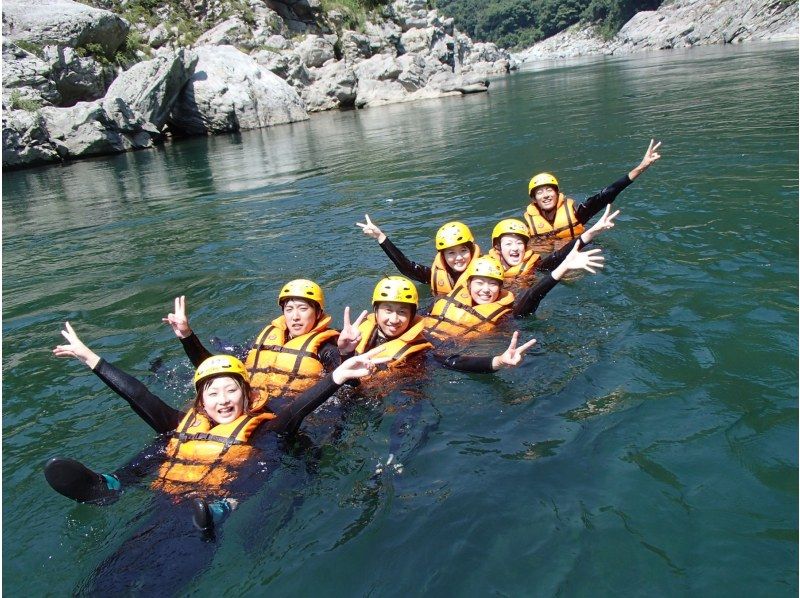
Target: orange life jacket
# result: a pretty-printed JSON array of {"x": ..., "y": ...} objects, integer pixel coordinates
[
  {"x": 279, "y": 367},
  {"x": 524, "y": 269},
  {"x": 457, "y": 316},
  {"x": 399, "y": 348},
  {"x": 564, "y": 226},
  {"x": 441, "y": 281},
  {"x": 206, "y": 454}
]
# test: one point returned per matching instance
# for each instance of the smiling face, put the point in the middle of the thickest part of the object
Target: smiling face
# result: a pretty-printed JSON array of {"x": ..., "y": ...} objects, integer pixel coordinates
[
  {"x": 393, "y": 318},
  {"x": 545, "y": 197},
  {"x": 458, "y": 257},
  {"x": 300, "y": 316},
  {"x": 223, "y": 399},
  {"x": 483, "y": 289},
  {"x": 512, "y": 248}
]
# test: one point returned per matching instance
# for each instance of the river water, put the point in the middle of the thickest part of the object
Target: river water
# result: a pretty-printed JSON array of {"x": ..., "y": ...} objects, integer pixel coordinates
[{"x": 648, "y": 447}]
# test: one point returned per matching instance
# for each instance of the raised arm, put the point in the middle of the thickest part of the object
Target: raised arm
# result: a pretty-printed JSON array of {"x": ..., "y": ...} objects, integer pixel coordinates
[
  {"x": 158, "y": 415},
  {"x": 527, "y": 302},
  {"x": 597, "y": 202},
  {"x": 412, "y": 270},
  {"x": 290, "y": 417},
  {"x": 510, "y": 358},
  {"x": 650, "y": 157},
  {"x": 179, "y": 322}
]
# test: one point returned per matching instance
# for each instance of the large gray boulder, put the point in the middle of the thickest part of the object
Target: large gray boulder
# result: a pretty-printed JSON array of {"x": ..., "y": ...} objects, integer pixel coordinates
[
  {"x": 678, "y": 24},
  {"x": 379, "y": 67},
  {"x": 63, "y": 22},
  {"x": 86, "y": 129},
  {"x": 151, "y": 87},
  {"x": 314, "y": 51},
  {"x": 77, "y": 78},
  {"x": 26, "y": 76},
  {"x": 229, "y": 32},
  {"x": 25, "y": 140},
  {"x": 355, "y": 46},
  {"x": 686, "y": 23},
  {"x": 229, "y": 91},
  {"x": 331, "y": 86}
]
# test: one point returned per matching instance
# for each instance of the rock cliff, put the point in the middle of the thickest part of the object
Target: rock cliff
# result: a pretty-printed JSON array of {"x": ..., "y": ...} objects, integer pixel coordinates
[
  {"x": 82, "y": 80},
  {"x": 677, "y": 24}
]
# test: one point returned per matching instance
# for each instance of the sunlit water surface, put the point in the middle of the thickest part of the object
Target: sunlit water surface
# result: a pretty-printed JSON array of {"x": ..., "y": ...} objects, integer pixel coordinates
[{"x": 649, "y": 447}]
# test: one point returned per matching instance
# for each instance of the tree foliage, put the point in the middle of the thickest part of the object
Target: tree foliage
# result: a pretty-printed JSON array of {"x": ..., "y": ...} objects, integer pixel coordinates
[{"x": 519, "y": 23}]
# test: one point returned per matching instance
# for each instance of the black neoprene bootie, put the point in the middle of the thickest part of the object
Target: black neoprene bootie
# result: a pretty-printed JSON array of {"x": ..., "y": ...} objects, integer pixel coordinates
[
  {"x": 76, "y": 481},
  {"x": 201, "y": 515}
]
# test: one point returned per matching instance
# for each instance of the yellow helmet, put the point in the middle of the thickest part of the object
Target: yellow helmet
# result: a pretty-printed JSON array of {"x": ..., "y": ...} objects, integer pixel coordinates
[
  {"x": 302, "y": 289},
  {"x": 395, "y": 288},
  {"x": 220, "y": 364},
  {"x": 452, "y": 234},
  {"x": 510, "y": 226},
  {"x": 485, "y": 266},
  {"x": 543, "y": 178}
]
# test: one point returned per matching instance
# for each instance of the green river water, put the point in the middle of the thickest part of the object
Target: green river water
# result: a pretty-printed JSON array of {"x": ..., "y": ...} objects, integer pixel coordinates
[{"x": 648, "y": 447}]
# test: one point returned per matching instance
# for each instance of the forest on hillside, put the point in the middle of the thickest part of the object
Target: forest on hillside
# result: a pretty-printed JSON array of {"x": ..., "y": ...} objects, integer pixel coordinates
[{"x": 520, "y": 23}]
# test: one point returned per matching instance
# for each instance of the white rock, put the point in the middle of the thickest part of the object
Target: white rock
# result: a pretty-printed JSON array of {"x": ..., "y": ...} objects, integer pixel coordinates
[
  {"x": 333, "y": 86},
  {"x": 229, "y": 91},
  {"x": 152, "y": 87},
  {"x": 63, "y": 22},
  {"x": 314, "y": 51},
  {"x": 230, "y": 31},
  {"x": 379, "y": 67}
]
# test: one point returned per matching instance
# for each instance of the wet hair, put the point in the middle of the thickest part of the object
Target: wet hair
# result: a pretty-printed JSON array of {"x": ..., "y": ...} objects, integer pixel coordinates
[
  {"x": 240, "y": 382},
  {"x": 311, "y": 302},
  {"x": 470, "y": 245}
]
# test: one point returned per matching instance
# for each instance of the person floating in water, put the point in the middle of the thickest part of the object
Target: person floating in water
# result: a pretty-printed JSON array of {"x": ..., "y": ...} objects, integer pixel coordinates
[
  {"x": 290, "y": 354},
  {"x": 455, "y": 250},
  {"x": 208, "y": 443},
  {"x": 476, "y": 307},
  {"x": 552, "y": 215},
  {"x": 520, "y": 263},
  {"x": 399, "y": 332}
]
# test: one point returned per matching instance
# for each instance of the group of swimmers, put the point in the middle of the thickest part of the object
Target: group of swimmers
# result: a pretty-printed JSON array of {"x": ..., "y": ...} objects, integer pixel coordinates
[{"x": 298, "y": 361}]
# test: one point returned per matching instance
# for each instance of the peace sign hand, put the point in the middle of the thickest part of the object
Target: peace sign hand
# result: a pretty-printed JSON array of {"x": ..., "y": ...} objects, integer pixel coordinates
[
  {"x": 350, "y": 335},
  {"x": 75, "y": 348},
  {"x": 606, "y": 222},
  {"x": 512, "y": 356},
  {"x": 178, "y": 320},
  {"x": 650, "y": 156},
  {"x": 359, "y": 366},
  {"x": 371, "y": 229}
]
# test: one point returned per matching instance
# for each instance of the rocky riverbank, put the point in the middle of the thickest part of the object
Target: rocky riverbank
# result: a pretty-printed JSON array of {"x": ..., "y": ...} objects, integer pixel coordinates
[
  {"x": 82, "y": 80},
  {"x": 678, "y": 24}
]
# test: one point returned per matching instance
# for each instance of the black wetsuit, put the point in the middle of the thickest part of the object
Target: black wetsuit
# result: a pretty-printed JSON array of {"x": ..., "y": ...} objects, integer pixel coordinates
[
  {"x": 462, "y": 363},
  {"x": 599, "y": 201},
  {"x": 422, "y": 273},
  {"x": 163, "y": 418},
  {"x": 163, "y": 555},
  {"x": 328, "y": 352}
]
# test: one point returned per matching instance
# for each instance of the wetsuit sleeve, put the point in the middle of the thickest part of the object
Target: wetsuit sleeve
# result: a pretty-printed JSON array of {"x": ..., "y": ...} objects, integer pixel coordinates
[
  {"x": 158, "y": 415},
  {"x": 412, "y": 270},
  {"x": 195, "y": 350},
  {"x": 466, "y": 363},
  {"x": 528, "y": 300},
  {"x": 290, "y": 417},
  {"x": 329, "y": 355},
  {"x": 599, "y": 201},
  {"x": 553, "y": 261}
]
